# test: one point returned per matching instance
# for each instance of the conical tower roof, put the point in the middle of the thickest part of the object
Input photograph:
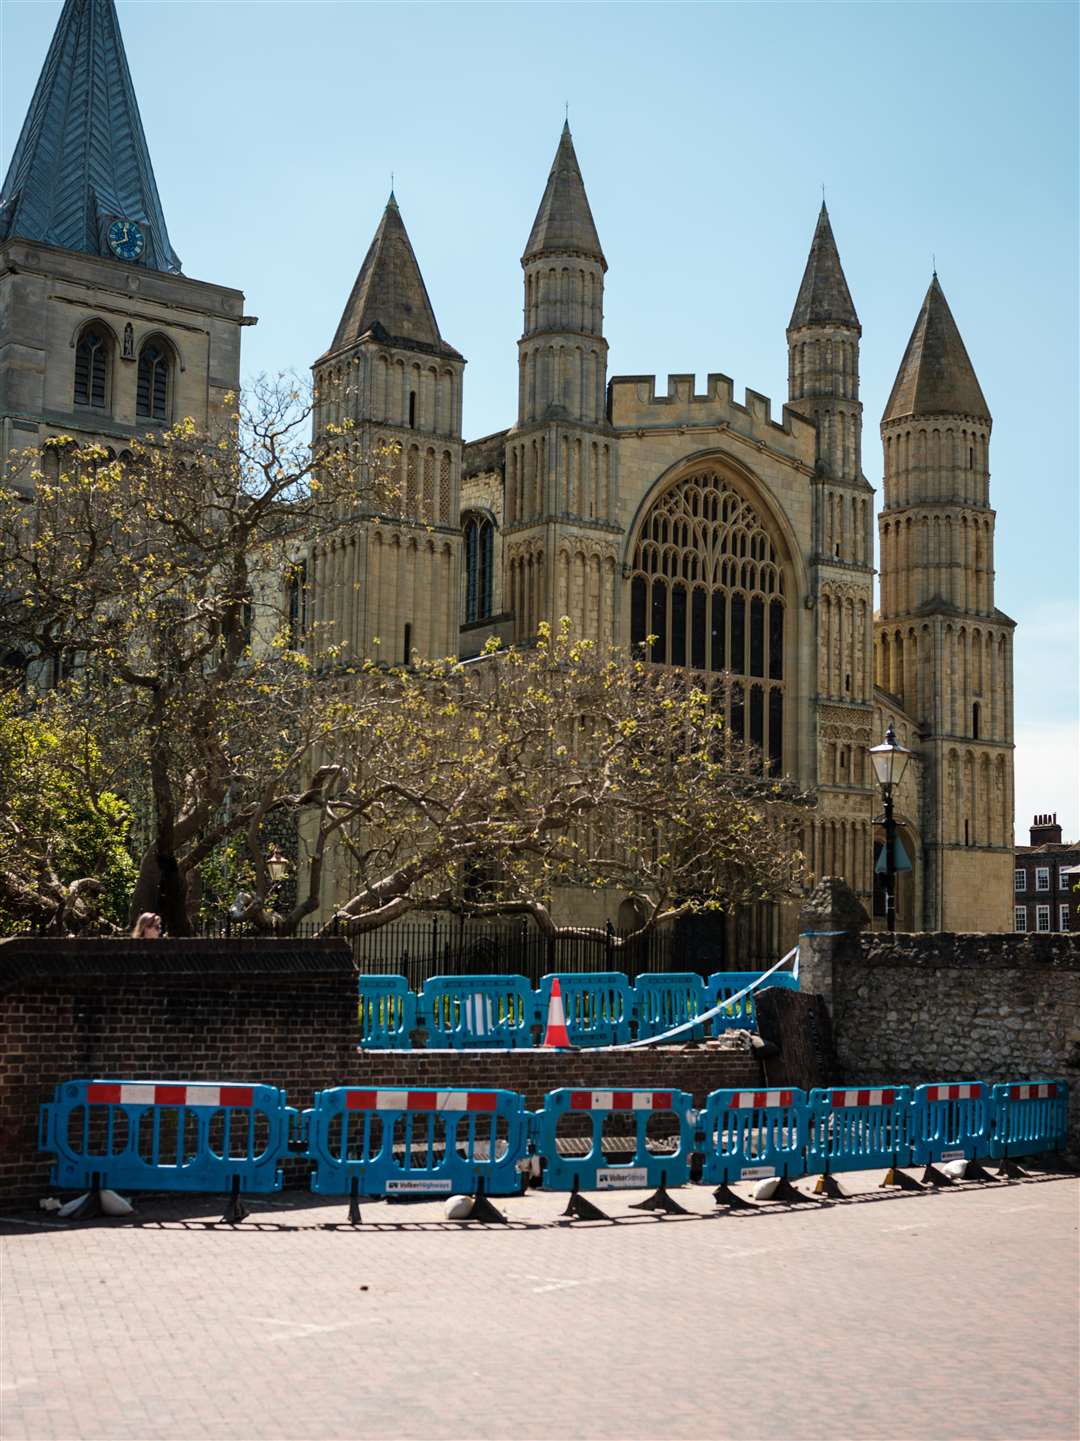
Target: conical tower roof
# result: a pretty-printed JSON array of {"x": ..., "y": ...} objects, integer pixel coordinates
[
  {"x": 824, "y": 297},
  {"x": 936, "y": 376},
  {"x": 389, "y": 297},
  {"x": 82, "y": 160},
  {"x": 564, "y": 223}
]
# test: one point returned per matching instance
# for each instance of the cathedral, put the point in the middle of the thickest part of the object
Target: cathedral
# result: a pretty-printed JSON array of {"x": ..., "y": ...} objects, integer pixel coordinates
[{"x": 741, "y": 540}]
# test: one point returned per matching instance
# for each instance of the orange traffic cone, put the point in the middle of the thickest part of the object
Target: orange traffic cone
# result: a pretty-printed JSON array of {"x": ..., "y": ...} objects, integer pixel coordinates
[{"x": 556, "y": 1035}]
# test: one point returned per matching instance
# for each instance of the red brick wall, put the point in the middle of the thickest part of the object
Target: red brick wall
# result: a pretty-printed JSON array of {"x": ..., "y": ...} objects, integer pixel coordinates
[{"x": 278, "y": 1012}]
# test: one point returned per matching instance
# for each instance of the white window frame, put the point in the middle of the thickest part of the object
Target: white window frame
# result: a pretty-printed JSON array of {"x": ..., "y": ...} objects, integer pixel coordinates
[
  {"x": 1064, "y": 912},
  {"x": 1019, "y": 918},
  {"x": 1019, "y": 881},
  {"x": 1042, "y": 918},
  {"x": 1042, "y": 878}
]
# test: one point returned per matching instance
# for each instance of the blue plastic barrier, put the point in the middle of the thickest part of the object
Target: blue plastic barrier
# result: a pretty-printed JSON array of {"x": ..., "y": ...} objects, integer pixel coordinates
[
  {"x": 741, "y": 1015},
  {"x": 950, "y": 1122},
  {"x": 166, "y": 1135},
  {"x": 1029, "y": 1117},
  {"x": 416, "y": 1142},
  {"x": 752, "y": 1134},
  {"x": 865, "y": 1129},
  {"x": 666, "y": 999},
  {"x": 463, "y": 1012},
  {"x": 599, "y": 1006},
  {"x": 387, "y": 1012},
  {"x": 651, "y": 1164}
]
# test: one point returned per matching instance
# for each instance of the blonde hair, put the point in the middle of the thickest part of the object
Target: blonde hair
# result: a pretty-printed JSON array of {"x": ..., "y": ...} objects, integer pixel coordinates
[{"x": 145, "y": 921}]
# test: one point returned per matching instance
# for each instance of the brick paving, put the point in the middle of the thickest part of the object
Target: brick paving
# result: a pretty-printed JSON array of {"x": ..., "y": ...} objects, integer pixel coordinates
[{"x": 940, "y": 1317}]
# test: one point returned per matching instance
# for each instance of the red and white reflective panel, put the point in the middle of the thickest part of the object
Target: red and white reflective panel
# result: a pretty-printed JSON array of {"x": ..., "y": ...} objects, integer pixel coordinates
[
  {"x": 116, "y": 1093},
  {"x": 621, "y": 1101},
  {"x": 862, "y": 1098},
  {"x": 1046, "y": 1090},
  {"x": 421, "y": 1100},
  {"x": 758, "y": 1100},
  {"x": 955, "y": 1093}
]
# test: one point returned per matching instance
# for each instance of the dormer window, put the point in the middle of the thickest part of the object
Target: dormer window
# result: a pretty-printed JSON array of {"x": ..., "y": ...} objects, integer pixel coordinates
[
  {"x": 152, "y": 391},
  {"x": 92, "y": 369}
]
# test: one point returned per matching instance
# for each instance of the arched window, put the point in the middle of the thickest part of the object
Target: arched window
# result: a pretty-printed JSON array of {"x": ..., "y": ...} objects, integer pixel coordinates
[
  {"x": 152, "y": 391},
  {"x": 479, "y": 533},
  {"x": 92, "y": 369},
  {"x": 707, "y": 581}
]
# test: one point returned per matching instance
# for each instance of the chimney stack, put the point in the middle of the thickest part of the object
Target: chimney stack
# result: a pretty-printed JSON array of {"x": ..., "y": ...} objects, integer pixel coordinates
[{"x": 1046, "y": 831}]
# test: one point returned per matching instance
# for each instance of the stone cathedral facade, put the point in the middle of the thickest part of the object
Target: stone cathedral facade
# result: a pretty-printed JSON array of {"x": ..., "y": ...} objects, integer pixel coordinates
[{"x": 740, "y": 538}]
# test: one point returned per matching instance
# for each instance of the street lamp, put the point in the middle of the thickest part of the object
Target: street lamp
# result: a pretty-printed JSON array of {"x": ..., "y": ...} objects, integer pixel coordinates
[
  {"x": 890, "y": 761},
  {"x": 278, "y": 866}
]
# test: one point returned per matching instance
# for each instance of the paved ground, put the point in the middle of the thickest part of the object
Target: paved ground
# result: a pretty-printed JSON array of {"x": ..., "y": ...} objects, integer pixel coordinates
[{"x": 936, "y": 1317}]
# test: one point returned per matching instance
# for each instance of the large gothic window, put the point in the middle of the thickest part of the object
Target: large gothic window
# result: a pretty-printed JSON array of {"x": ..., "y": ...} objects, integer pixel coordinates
[
  {"x": 479, "y": 534},
  {"x": 152, "y": 390},
  {"x": 92, "y": 369},
  {"x": 708, "y": 583}
]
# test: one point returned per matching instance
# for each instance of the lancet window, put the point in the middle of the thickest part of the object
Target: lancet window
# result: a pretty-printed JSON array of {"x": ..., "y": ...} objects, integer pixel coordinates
[{"x": 479, "y": 536}]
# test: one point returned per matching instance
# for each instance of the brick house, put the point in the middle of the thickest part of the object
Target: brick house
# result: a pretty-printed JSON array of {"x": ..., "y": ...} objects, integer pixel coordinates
[{"x": 1045, "y": 878}]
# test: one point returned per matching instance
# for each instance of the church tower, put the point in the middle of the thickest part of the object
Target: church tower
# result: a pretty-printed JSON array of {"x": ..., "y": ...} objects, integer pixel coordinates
[
  {"x": 104, "y": 337},
  {"x": 561, "y": 534},
  {"x": 943, "y": 649},
  {"x": 386, "y": 591},
  {"x": 823, "y": 385}
]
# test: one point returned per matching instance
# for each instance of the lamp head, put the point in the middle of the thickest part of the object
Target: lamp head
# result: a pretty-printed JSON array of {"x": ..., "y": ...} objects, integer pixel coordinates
[{"x": 890, "y": 759}]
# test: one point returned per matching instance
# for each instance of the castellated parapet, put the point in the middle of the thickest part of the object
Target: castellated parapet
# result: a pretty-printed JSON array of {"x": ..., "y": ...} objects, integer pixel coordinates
[{"x": 633, "y": 404}]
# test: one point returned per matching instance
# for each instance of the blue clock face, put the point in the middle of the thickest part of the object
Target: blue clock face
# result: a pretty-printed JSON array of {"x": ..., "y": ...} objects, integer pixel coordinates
[{"x": 125, "y": 239}]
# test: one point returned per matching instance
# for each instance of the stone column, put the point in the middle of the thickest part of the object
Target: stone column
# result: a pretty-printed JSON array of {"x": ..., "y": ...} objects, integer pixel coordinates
[{"x": 829, "y": 926}]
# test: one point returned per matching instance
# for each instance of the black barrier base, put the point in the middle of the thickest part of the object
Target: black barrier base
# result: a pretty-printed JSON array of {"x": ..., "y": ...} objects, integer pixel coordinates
[
  {"x": 725, "y": 1196},
  {"x": 977, "y": 1172},
  {"x": 903, "y": 1182},
  {"x": 235, "y": 1210},
  {"x": 787, "y": 1195},
  {"x": 579, "y": 1209},
  {"x": 483, "y": 1210},
  {"x": 1010, "y": 1170},
  {"x": 354, "y": 1202},
  {"x": 827, "y": 1185},
  {"x": 660, "y": 1201},
  {"x": 933, "y": 1177},
  {"x": 90, "y": 1205}
]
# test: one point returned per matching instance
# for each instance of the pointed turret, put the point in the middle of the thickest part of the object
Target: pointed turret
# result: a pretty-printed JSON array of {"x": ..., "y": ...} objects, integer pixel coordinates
[
  {"x": 936, "y": 376},
  {"x": 389, "y": 299},
  {"x": 81, "y": 161},
  {"x": 824, "y": 298},
  {"x": 564, "y": 223}
]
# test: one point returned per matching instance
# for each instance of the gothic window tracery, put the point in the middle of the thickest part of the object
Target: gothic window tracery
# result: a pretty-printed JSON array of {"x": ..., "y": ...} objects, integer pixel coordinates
[
  {"x": 152, "y": 388},
  {"x": 707, "y": 581},
  {"x": 479, "y": 535},
  {"x": 92, "y": 369}
]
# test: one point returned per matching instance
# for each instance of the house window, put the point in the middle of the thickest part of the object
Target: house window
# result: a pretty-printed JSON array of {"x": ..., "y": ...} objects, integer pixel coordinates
[
  {"x": 1019, "y": 881},
  {"x": 152, "y": 390},
  {"x": 1063, "y": 918},
  {"x": 1020, "y": 918},
  {"x": 92, "y": 369},
  {"x": 1042, "y": 878},
  {"x": 1042, "y": 918},
  {"x": 479, "y": 535}
]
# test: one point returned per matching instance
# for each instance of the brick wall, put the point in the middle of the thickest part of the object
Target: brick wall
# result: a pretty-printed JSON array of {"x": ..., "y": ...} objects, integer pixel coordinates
[{"x": 279, "y": 1012}]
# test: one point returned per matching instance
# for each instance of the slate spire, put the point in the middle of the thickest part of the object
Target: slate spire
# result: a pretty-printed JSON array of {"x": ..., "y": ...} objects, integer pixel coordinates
[
  {"x": 936, "y": 376},
  {"x": 389, "y": 297},
  {"x": 564, "y": 223},
  {"x": 824, "y": 298},
  {"x": 81, "y": 160}
]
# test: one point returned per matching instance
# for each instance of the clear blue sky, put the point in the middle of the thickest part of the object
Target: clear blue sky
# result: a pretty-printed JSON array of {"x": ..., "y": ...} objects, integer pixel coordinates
[{"x": 704, "y": 134}]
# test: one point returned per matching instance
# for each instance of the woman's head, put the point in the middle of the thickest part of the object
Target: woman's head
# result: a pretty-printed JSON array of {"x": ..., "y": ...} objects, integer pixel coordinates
[{"x": 147, "y": 927}]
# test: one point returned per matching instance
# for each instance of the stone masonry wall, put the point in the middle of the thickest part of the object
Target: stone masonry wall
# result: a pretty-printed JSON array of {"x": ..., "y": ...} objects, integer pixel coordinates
[{"x": 279, "y": 1012}]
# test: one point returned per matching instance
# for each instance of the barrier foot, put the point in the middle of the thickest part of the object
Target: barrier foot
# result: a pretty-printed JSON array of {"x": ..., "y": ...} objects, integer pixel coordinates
[
  {"x": 933, "y": 1177},
  {"x": 787, "y": 1195},
  {"x": 483, "y": 1210},
  {"x": 354, "y": 1202},
  {"x": 895, "y": 1177},
  {"x": 660, "y": 1201},
  {"x": 91, "y": 1203},
  {"x": 977, "y": 1172},
  {"x": 579, "y": 1209},
  {"x": 725, "y": 1196},
  {"x": 827, "y": 1185},
  {"x": 235, "y": 1210},
  {"x": 1010, "y": 1170}
]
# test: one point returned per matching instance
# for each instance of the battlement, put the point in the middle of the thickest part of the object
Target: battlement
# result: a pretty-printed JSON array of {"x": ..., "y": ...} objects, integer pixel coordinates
[{"x": 633, "y": 404}]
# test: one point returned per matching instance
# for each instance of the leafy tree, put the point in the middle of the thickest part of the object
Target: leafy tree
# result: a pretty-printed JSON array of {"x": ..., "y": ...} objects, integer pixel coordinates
[{"x": 64, "y": 858}]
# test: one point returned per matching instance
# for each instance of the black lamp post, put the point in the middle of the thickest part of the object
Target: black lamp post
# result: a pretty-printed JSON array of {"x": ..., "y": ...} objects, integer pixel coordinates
[{"x": 890, "y": 761}]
